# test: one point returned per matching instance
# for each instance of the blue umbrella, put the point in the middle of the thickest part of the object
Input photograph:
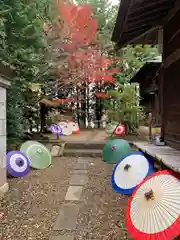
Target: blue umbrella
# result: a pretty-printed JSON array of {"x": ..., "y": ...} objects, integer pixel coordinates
[
  {"x": 130, "y": 172},
  {"x": 18, "y": 164},
  {"x": 55, "y": 129}
]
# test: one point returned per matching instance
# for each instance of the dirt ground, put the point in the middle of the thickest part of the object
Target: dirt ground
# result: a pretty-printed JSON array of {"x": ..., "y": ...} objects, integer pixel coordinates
[
  {"x": 101, "y": 135},
  {"x": 30, "y": 208},
  {"x": 102, "y": 214}
]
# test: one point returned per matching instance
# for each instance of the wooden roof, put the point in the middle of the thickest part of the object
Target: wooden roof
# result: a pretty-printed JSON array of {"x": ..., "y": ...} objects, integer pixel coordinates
[
  {"x": 138, "y": 21},
  {"x": 149, "y": 67}
]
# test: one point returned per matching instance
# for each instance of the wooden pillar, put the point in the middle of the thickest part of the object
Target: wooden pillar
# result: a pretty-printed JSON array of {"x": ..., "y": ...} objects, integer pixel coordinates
[{"x": 150, "y": 126}]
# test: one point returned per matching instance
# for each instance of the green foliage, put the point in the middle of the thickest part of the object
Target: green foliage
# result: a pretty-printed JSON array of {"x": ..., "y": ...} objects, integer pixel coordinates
[
  {"x": 22, "y": 46},
  {"x": 132, "y": 59},
  {"x": 125, "y": 107}
]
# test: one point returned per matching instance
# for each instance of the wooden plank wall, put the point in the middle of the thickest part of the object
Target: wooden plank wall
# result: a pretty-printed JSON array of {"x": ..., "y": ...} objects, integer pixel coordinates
[
  {"x": 150, "y": 102},
  {"x": 171, "y": 82},
  {"x": 146, "y": 100}
]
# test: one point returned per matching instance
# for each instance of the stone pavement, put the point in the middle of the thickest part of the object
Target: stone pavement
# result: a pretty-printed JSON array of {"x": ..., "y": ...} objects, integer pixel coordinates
[{"x": 68, "y": 213}]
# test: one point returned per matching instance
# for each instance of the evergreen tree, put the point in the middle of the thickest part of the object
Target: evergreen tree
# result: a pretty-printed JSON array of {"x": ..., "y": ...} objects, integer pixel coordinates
[{"x": 23, "y": 47}]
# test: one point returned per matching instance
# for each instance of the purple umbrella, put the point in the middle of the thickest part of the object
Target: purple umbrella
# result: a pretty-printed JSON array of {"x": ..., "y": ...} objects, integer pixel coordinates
[
  {"x": 18, "y": 164},
  {"x": 55, "y": 129}
]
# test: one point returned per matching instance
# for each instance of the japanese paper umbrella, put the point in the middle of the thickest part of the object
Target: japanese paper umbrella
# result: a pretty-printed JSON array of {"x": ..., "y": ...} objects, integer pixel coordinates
[
  {"x": 67, "y": 130},
  {"x": 130, "y": 172},
  {"x": 18, "y": 164},
  {"x": 75, "y": 127},
  {"x": 110, "y": 128},
  {"x": 119, "y": 130},
  {"x": 154, "y": 208},
  {"x": 56, "y": 129},
  {"x": 37, "y": 153},
  {"x": 62, "y": 124},
  {"x": 115, "y": 150}
]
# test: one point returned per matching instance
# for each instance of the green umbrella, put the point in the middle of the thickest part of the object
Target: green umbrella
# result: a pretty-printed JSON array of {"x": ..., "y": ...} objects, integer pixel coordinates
[
  {"x": 115, "y": 150},
  {"x": 38, "y": 155}
]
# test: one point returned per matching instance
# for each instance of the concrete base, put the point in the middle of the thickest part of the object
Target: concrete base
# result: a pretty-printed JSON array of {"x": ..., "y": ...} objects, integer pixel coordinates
[{"x": 3, "y": 189}]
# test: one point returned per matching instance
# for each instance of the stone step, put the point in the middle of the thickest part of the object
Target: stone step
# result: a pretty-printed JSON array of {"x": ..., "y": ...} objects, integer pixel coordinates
[
  {"x": 84, "y": 145},
  {"x": 83, "y": 152}
]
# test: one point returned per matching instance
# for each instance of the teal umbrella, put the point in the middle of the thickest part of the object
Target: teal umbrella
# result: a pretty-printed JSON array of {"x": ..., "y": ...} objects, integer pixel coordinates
[
  {"x": 115, "y": 150},
  {"x": 38, "y": 155}
]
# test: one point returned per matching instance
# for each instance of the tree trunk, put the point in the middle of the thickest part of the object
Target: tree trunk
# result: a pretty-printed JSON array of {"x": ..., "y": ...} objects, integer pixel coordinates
[
  {"x": 77, "y": 107},
  {"x": 42, "y": 117}
]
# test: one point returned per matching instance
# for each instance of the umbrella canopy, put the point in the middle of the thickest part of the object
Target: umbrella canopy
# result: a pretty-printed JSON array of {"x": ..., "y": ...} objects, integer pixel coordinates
[
  {"x": 130, "y": 172},
  {"x": 37, "y": 153},
  {"x": 56, "y": 129},
  {"x": 115, "y": 150},
  {"x": 18, "y": 164},
  {"x": 110, "y": 128},
  {"x": 154, "y": 208},
  {"x": 119, "y": 130},
  {"x": 62, "y": 124},
  {"x": 75, "y": 127},
  {"x": 67, "y": 130}
]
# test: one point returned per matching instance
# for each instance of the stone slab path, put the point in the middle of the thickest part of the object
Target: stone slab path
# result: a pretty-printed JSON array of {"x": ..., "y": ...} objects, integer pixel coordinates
[
  {"x": 76, "y": 219},
  {"x": 67, "y": 217},
  {"x": 68, "y": 214},
  {"x": 74, "y": 193}
]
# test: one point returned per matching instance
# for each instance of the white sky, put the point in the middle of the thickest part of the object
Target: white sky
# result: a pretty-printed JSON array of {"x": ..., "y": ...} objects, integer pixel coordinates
[{"x": 115, "y": 2}]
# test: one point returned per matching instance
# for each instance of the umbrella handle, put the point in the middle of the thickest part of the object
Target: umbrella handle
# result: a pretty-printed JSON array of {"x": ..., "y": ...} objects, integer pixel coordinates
[
  {"x": 149, "y": 195},
  {"x": 127, "y": 167},
  {"x": 113, "y": 148},
  {"x": 19, "y": 162},
  {"x": 39, "y": 150}
]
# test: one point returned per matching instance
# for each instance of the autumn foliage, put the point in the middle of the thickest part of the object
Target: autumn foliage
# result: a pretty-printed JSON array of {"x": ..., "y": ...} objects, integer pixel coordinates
[{"x": 77, "y": 31}]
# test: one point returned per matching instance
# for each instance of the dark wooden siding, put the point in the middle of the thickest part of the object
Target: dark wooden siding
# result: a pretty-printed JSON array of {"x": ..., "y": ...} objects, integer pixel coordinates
[
  {"x": 144, "y": 85},
  {"x": 157, "y": 101},
  {"x": 171, "y": 83},
  {"x": 172, "y": 103},
  {"x": 146, "y": 99},
  {"x": 172, "y": 35},
  {"x": 149, "y": 81}
]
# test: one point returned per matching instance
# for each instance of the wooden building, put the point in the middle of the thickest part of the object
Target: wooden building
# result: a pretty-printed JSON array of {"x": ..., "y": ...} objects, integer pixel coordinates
[
  {"x": 156, "y": 22},
  {"x": 148, "y": 79},
  {"x": 4, "y": 83}
]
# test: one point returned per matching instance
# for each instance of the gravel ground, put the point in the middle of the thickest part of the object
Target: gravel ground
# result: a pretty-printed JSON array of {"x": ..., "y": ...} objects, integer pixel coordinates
[
  {"x": 103, "y": 210},
  {"x": 30, "y": 208}
]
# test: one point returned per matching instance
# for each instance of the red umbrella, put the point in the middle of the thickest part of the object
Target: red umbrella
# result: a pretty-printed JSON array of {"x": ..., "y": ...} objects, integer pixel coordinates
[
  {"x": 153, "y": 211},
  {"x": 120, "y": 130}
]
